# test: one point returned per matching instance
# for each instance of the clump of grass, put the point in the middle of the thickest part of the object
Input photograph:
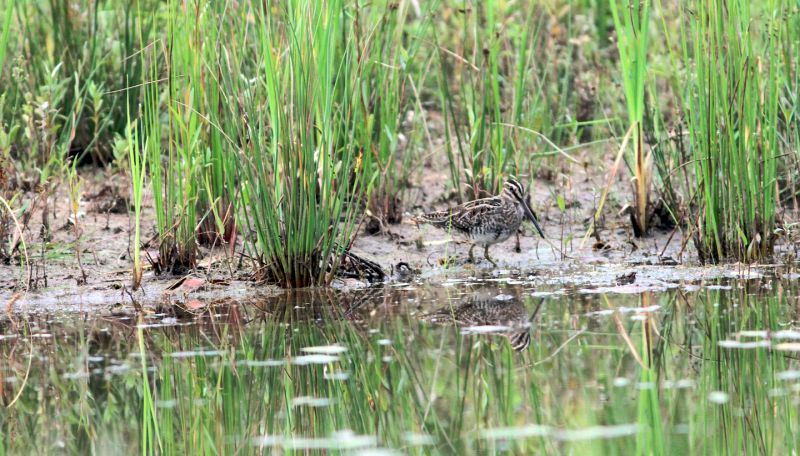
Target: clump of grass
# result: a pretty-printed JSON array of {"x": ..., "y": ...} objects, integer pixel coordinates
[
  {"x": 303, "y": 171},
  {"x": 732, "y": 87},
  {"x": 790, "y": 108},
  {"x": 9, "y": 196},
  {"x": 216, "y": 209},
  {"x": 175, "y": 149}
]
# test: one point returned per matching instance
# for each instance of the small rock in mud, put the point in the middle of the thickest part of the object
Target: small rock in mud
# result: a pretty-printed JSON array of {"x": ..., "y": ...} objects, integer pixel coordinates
[
  {"x": 600, "y": 246},
  {"x": 667, "y": 261},
  {"x": 626, "y": 279}
]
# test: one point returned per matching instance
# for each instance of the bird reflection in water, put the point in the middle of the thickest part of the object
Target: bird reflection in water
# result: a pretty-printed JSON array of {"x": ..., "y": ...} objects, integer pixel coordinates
[{"x": 489, "y": 313}]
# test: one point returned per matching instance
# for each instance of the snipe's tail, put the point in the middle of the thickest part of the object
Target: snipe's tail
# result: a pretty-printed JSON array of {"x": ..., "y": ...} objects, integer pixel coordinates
[{"x": 438, "y": 219}]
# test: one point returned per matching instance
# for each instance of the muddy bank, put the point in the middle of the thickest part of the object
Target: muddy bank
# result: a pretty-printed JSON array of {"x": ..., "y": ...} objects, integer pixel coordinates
[{"x": 613, "y": 260}]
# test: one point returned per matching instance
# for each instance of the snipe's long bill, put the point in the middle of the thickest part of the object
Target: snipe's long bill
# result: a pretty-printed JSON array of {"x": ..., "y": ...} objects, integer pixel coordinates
[{"x": 487, "y": 221}]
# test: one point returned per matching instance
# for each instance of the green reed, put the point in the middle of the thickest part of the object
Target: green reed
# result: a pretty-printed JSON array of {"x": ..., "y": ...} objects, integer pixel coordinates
[
  {"x": 731, "y": 101},
  {"x": 472, "y": 99},
  {"x": 631, "y": 21},
  {"x": 790, "y": 104},
  {"x": 390, "y": 47},
  {"x": 191, "y": 166},
  {"x": 137, "y": 163},
  {"x": 217, "y": 23},
  {"x": 303, "y": 171},
  {"x": 507, "y": 90},
  {"x": 175, "y": 173},
  {"x": 5, "y": 34}
]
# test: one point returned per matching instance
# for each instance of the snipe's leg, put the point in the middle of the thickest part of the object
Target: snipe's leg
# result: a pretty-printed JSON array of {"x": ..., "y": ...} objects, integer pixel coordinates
[
  {"x": 471, "y": 257},
  {"x": 486, "y": 255}
]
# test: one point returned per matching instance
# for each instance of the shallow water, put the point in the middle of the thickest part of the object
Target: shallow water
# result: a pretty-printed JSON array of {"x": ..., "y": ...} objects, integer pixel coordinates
[{"x": 462, "y": 367}]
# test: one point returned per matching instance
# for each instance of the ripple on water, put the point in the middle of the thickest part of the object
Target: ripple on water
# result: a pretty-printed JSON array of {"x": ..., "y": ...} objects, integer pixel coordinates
[
  {"x": 314, "y": 359},
  {"x": 624, "y": 310},
  {"x": 621, "y": 382},
  {"x": 788, "y": 375},
  {"x": 743, "y": 345},
  {"x": 75, "y": 375},
  {"x": 537, "y": 430},
  {"x": 117, "y": 369},
  {"x": 195, "y": 353},
  {"x": 678, "y": 384},
  {"x": 718, "y": 397},
  {"x": 310, "y": 401},
  {"x": 166, "y": 404},
  {"x": 786, "y": 334},
  {"x": 335, "y": 375},
  {"x": 788, "y": 346},
  {"x": 342, "y": 440},
  {"x": 377, "y": 452},
  {"x": 334, "y": 349},
  {"x": 262, "y": 362},
  {"x": 418, "y": 439}
]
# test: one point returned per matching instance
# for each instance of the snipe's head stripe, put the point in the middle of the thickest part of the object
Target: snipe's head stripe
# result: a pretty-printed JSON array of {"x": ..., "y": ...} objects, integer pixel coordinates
[{"x": 514, "y": 188}]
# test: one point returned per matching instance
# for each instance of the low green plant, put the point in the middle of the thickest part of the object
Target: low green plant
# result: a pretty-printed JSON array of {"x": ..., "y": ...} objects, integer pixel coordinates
[
  {"x": 137, "y": 163},
  {"x": 472, "y": 100},
  {"x": 92, "y": 44}
]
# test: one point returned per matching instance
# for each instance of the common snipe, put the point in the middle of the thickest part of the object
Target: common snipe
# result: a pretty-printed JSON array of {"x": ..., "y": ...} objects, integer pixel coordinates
[
  {"x": 486, "y": 221},
  {"x": 483, "y": 313}
]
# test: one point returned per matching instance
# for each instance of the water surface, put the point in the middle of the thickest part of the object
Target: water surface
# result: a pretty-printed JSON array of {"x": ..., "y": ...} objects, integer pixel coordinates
[{"x": 489, "y": 366}]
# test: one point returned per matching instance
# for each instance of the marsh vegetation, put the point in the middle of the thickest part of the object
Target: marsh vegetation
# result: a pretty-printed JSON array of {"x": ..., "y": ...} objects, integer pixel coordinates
[{"x": 195, "y": 194}]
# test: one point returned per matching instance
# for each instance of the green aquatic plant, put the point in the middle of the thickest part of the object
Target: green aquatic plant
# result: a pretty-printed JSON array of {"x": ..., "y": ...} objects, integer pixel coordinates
[
  {"x": 390, "y": 53},
  {"x": 304, "y": 174},
  {"x": 507, "y": 88},
  {"x": 632, "y": 23},
  {"x": 732, "y": 89},
  {"x": 175, "y": 172},
  {"x": 5, "y": 34}
]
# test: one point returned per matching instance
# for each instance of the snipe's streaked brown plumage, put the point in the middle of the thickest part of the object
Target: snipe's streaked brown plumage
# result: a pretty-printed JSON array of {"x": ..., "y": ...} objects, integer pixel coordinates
[
  {"x": 493, "y": 315},
  {"x": 486, "y": 221}
]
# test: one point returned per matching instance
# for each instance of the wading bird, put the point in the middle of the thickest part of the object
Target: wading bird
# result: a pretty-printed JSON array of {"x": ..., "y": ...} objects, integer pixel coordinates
[{"x": 486, "y": 221}]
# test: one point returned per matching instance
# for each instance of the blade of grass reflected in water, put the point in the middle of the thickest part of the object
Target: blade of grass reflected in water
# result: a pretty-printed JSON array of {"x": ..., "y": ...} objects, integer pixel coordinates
[{"x": 149, "y": 423}]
